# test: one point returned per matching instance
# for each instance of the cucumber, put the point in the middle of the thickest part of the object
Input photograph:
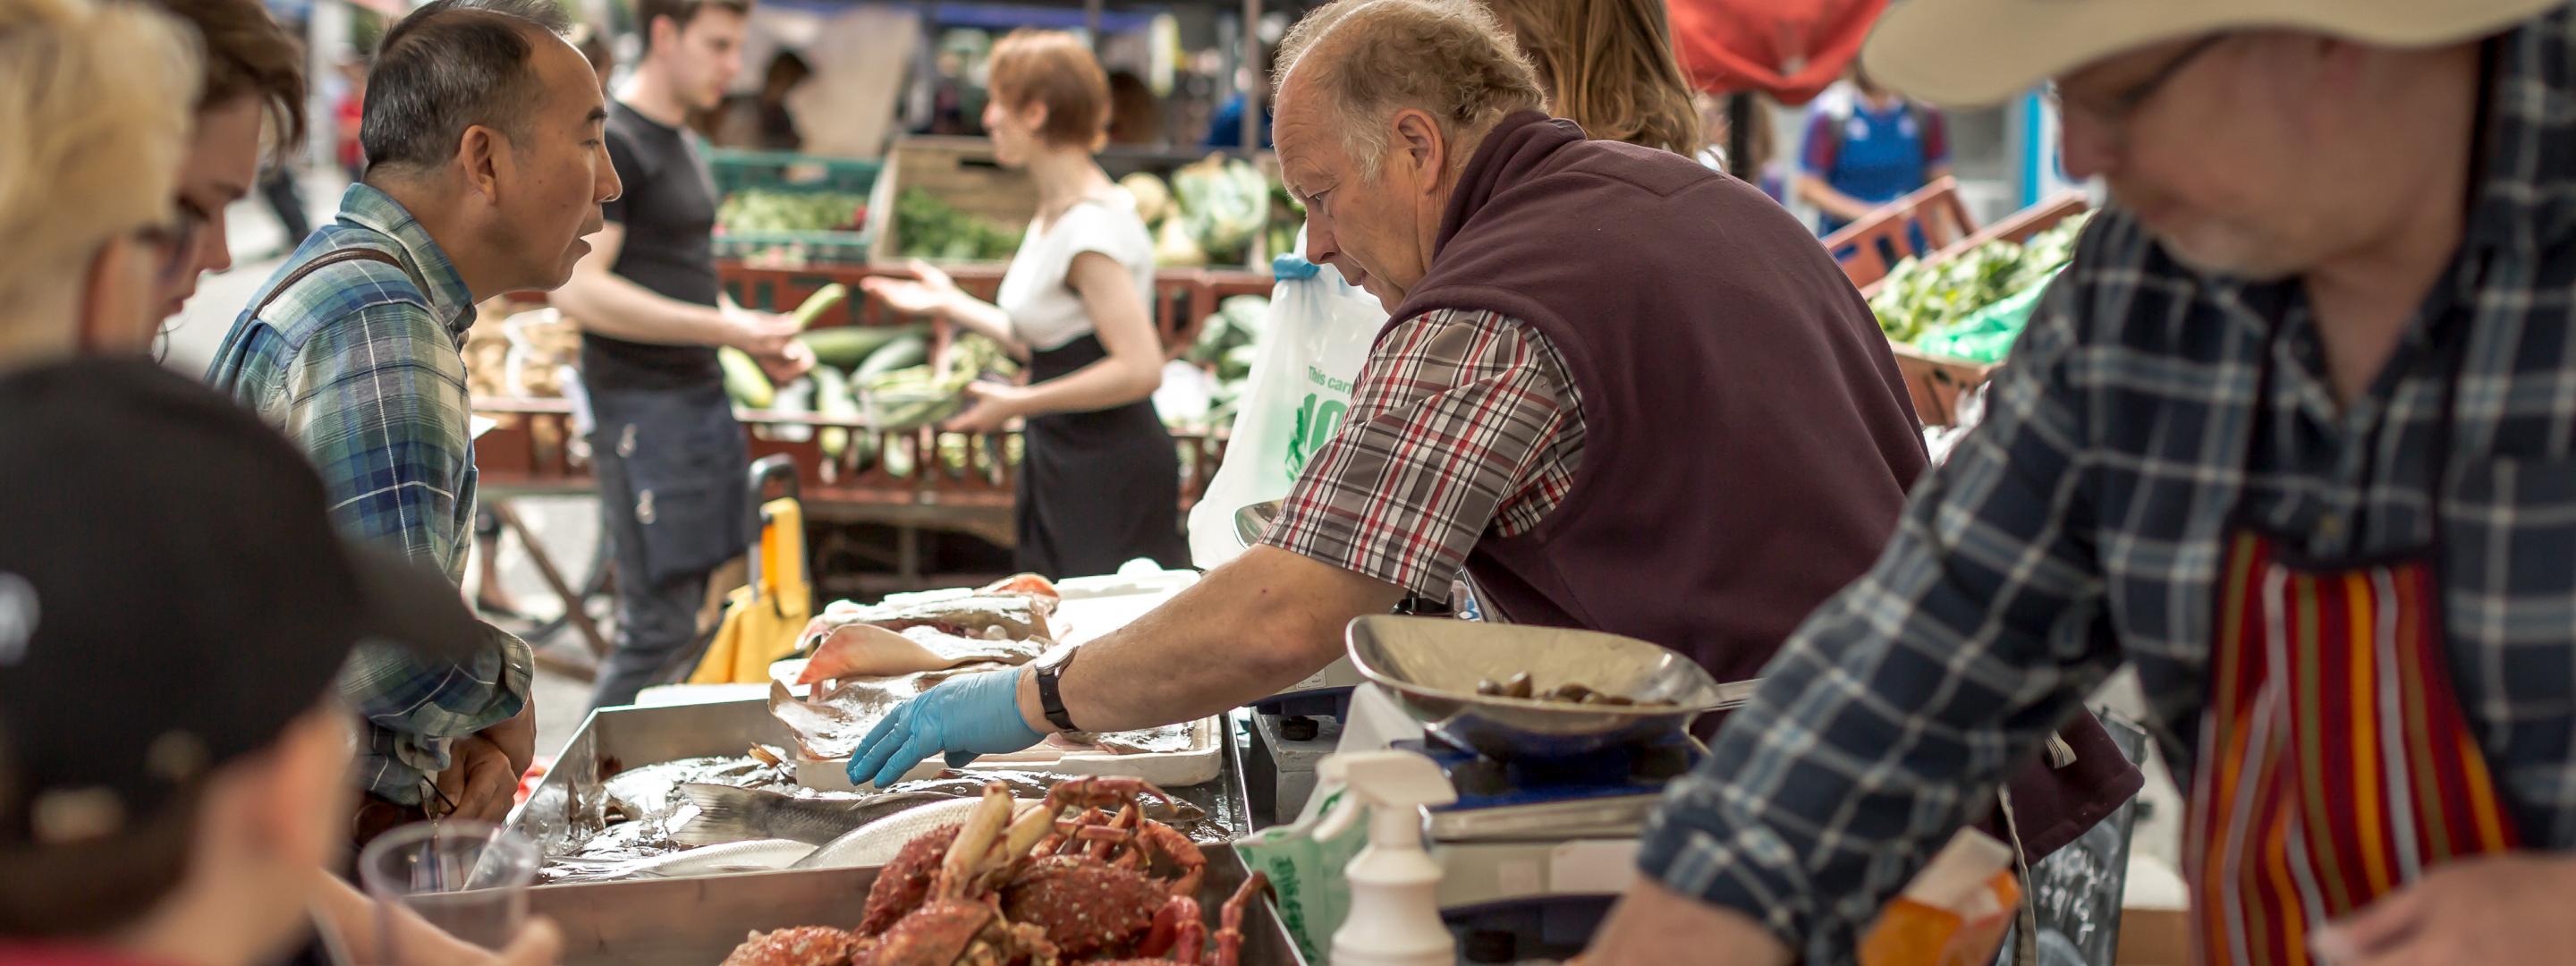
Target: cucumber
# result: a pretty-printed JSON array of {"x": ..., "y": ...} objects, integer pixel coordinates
[
  {"x": 818, "y": 303},
  {"x": 832, "y": 398},
  {"x": 845, "y": 346},
  {"x": 900, "y": 353},
  {"x": 743, "y": 379}
]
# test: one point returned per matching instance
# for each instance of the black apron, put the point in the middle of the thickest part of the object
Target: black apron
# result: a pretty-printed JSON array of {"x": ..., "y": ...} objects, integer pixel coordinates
[{"x": 1096, "y": 489}]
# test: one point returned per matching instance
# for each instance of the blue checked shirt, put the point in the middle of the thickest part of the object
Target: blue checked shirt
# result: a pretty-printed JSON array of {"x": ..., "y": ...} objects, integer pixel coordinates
[
  {"x": 360, "y": 365},
  {"x": 2080, "y": 527}
]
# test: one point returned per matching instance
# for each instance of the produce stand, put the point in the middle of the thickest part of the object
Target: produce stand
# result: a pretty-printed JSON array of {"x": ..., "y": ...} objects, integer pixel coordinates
[
  {"x": 1934, "y": 381},
  {"x": 962, "y": 176},
  {"x": 697, "y": 920},
  {"x": 1868, "y": 248},
  {"x": 742, "y": 175}
]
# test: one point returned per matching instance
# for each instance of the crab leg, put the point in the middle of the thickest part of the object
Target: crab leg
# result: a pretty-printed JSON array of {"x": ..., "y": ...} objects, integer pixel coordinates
[
  {"x": 1229, "y": 934},
  {"x": 1126, "y": 821},
  {"x": 966, "y": 855}
]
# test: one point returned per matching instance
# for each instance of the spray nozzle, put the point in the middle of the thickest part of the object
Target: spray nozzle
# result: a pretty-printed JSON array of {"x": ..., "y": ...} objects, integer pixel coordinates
[{"x": 1391, "y": 783}]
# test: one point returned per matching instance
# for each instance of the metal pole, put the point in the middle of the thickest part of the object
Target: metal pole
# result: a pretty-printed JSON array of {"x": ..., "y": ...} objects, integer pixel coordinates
[
  {"x": 1740, "y": 119},
  {"x": 1091, "y": 21},
  {"x": 1253, "y": 96}
]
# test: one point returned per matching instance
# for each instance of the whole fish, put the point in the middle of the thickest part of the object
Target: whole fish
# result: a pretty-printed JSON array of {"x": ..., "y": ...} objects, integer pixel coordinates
[
  {"x": 757, "y": 855},
  {"x": 647, "y": 791},
  {"x": 876, "y": 842},
  {"x": 729, "y": 814},
  {"x": 1034, "y": 785}
]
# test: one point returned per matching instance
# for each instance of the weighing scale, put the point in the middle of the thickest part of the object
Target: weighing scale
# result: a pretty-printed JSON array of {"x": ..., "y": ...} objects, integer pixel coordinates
[
  {"x": 1551, "y": 796},
  {"x": 1297, "y": 727}
]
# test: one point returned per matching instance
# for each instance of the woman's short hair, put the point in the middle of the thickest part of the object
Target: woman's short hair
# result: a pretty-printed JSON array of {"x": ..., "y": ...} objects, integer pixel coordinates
[
  {"x": 1055, "y": 69},
  {"x": 96, "y": 99}
]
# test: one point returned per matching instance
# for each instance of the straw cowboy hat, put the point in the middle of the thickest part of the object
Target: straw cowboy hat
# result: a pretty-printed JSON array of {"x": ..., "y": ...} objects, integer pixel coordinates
[{"x": 1976, "y": 52}]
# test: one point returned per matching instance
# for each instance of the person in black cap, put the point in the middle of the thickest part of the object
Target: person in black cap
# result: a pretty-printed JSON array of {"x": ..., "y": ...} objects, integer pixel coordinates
[{"x": 173, "y": 763}]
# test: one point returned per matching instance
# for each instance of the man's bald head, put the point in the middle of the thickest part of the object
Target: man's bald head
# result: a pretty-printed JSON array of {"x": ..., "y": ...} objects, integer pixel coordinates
[{"x": 1361, "y": 61}]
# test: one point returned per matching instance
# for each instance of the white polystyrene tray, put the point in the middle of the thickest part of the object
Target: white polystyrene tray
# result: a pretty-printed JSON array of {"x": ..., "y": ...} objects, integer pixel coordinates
[{"x": 1092, "y": 607}]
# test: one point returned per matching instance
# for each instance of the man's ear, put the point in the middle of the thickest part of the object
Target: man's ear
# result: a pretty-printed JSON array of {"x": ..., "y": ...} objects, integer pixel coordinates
[
  {"x": 665, "y": 32},
  {"x": 480, "y": 153},
  {"x": 1418, "y": 143}
]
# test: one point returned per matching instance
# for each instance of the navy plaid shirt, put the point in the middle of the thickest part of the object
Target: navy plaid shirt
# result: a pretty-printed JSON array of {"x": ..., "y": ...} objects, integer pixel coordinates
[
  {"x": 360, "y": 366},
  {"x": 2080, "y": 527}
]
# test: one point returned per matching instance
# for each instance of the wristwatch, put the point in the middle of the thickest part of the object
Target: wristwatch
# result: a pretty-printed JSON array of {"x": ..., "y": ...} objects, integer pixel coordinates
[{"x": 1050, "y": 671}]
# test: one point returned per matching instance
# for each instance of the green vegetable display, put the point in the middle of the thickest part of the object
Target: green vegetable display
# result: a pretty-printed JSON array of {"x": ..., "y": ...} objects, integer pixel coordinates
[
  {"x": 902, "y": 353},
  {"x": 845, "y": 346},
  {"x": 755, "y": 210},
  {"x": 743, "y": 379},
  {"x": 818, "y": 303},
  {"x": 926, "y": 227},
  {"x": 1917, "y": 300},
  {"x": 832, "y": 398}
]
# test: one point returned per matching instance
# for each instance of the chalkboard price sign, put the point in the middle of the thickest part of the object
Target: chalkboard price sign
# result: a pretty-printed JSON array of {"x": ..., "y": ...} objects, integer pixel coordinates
[{"x": 2078, "y": 889}]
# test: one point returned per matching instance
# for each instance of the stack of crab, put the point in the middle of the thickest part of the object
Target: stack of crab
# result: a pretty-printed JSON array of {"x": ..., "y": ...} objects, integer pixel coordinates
[{"x": 1042, "y": 887}]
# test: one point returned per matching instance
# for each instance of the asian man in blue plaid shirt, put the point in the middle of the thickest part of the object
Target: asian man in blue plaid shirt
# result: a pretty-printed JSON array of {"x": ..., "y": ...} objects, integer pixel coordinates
[{"x": 353, "y": 350}]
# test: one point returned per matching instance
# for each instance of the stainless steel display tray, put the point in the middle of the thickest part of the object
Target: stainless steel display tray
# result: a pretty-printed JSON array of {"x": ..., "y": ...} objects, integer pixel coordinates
[
  {"x": 616, "y": 739},
  {"x": 695, "y": 921}
]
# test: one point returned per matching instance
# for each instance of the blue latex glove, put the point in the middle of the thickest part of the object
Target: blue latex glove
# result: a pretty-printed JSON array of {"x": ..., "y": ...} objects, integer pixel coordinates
[{"x": 965, "y": 717}]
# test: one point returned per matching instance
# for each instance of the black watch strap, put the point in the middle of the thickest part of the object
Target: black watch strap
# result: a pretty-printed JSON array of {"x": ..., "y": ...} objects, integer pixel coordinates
[{"x": 1050, "y": 694}]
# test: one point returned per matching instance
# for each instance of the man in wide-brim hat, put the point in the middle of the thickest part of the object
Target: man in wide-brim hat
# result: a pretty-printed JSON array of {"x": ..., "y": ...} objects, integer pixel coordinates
[{"x": 2294, "y": 437}]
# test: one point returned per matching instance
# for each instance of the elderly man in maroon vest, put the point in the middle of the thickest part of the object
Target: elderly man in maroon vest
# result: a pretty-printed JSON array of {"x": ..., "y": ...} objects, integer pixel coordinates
[{"x": 1618, "y": 391}]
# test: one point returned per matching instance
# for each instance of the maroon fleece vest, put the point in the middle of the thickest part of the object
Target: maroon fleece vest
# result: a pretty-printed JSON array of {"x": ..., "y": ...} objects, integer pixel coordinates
[{"x": 1747, "y": 441}]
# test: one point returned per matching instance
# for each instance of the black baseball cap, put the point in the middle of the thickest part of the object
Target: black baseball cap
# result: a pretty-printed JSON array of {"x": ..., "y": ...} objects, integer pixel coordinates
[{"x": 172, "y": 594}]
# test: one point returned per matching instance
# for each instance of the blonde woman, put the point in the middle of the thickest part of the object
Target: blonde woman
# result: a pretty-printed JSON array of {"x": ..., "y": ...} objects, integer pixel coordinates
[
  {"x": 87, "y": 233},
  {"x": 1608, "y": 65}
]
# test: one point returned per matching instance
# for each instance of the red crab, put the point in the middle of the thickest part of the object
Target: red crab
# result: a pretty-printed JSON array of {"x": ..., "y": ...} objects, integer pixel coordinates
[
  {"x": 1186, "y": 942},
  {"x": 799, "y": 946},
  {"x": 1084, "y": 881},
  {"x": 959, "y": 921}
]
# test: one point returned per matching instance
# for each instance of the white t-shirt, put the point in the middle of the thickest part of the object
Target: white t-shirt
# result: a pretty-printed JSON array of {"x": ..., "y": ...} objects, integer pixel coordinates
[{"x": 1045, "y": 311}]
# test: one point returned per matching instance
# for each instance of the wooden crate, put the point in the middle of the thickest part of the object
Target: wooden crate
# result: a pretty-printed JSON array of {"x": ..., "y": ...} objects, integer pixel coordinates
[
  {"x": 959, "y": 171},
  {"x": 1936, "y": 382},
  {"x": 1868, "y": 248}
]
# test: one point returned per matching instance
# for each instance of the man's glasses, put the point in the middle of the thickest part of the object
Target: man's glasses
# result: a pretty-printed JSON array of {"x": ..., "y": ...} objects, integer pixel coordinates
[
  {"x": 176, "y": 239},
  {"x": 2113, "y": 112}
]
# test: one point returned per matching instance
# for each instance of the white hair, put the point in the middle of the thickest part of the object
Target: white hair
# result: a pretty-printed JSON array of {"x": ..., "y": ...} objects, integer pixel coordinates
[{"x": 1451, "y": 59}]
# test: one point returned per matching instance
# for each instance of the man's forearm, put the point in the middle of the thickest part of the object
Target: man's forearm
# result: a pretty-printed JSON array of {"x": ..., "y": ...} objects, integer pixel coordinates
[
  {"x": 1251, "y": 628},
  {"x": 608, "y": 305},
  {"x": 1820, "y": 193}
]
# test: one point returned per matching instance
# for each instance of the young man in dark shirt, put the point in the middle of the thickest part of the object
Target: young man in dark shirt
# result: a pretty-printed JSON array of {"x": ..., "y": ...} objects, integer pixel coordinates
[{"x": 670, "y": 456}]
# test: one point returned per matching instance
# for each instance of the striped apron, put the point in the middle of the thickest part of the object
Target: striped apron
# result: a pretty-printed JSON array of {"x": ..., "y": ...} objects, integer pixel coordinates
[{"x": 2335, "y": 763}]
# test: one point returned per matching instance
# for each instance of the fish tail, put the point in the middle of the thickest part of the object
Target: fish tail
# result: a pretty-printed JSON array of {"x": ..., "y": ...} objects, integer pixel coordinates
[{"x": 725, "y": 814}]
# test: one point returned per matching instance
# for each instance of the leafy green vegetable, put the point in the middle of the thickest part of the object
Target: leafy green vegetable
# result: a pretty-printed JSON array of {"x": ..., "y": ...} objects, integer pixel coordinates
[
  {"x": 765, "y": 210},
  {"x": 927, "y": 227},
  {"x": 1917, "y": 299}
]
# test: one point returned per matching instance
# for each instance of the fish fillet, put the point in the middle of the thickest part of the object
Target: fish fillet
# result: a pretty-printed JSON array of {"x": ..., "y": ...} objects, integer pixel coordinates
[{"x": 867, "y": 650}]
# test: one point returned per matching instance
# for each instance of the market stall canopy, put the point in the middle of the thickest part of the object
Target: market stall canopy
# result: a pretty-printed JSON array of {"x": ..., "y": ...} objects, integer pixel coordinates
[{"x": 1789, "y": 49}]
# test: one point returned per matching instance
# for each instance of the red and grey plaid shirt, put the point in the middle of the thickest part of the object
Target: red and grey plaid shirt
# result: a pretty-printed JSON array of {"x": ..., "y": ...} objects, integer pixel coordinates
[{"x": 1463, "y": 423}]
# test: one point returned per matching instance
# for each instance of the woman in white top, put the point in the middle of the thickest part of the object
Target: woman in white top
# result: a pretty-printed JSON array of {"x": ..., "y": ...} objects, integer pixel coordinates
[{"x": 1099, "y": 477}]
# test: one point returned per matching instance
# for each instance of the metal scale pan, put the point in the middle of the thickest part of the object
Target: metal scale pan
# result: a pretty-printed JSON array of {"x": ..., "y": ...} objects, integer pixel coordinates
[{"x": 1432, "y": 667}]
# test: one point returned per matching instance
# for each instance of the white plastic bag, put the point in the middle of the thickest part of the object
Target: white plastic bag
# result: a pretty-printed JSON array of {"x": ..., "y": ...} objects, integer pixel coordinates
[{"x": 1304, "y": 363}]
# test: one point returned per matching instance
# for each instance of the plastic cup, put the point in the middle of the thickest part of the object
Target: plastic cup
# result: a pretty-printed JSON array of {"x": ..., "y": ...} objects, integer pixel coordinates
[{"x": 467, "y": 879}]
